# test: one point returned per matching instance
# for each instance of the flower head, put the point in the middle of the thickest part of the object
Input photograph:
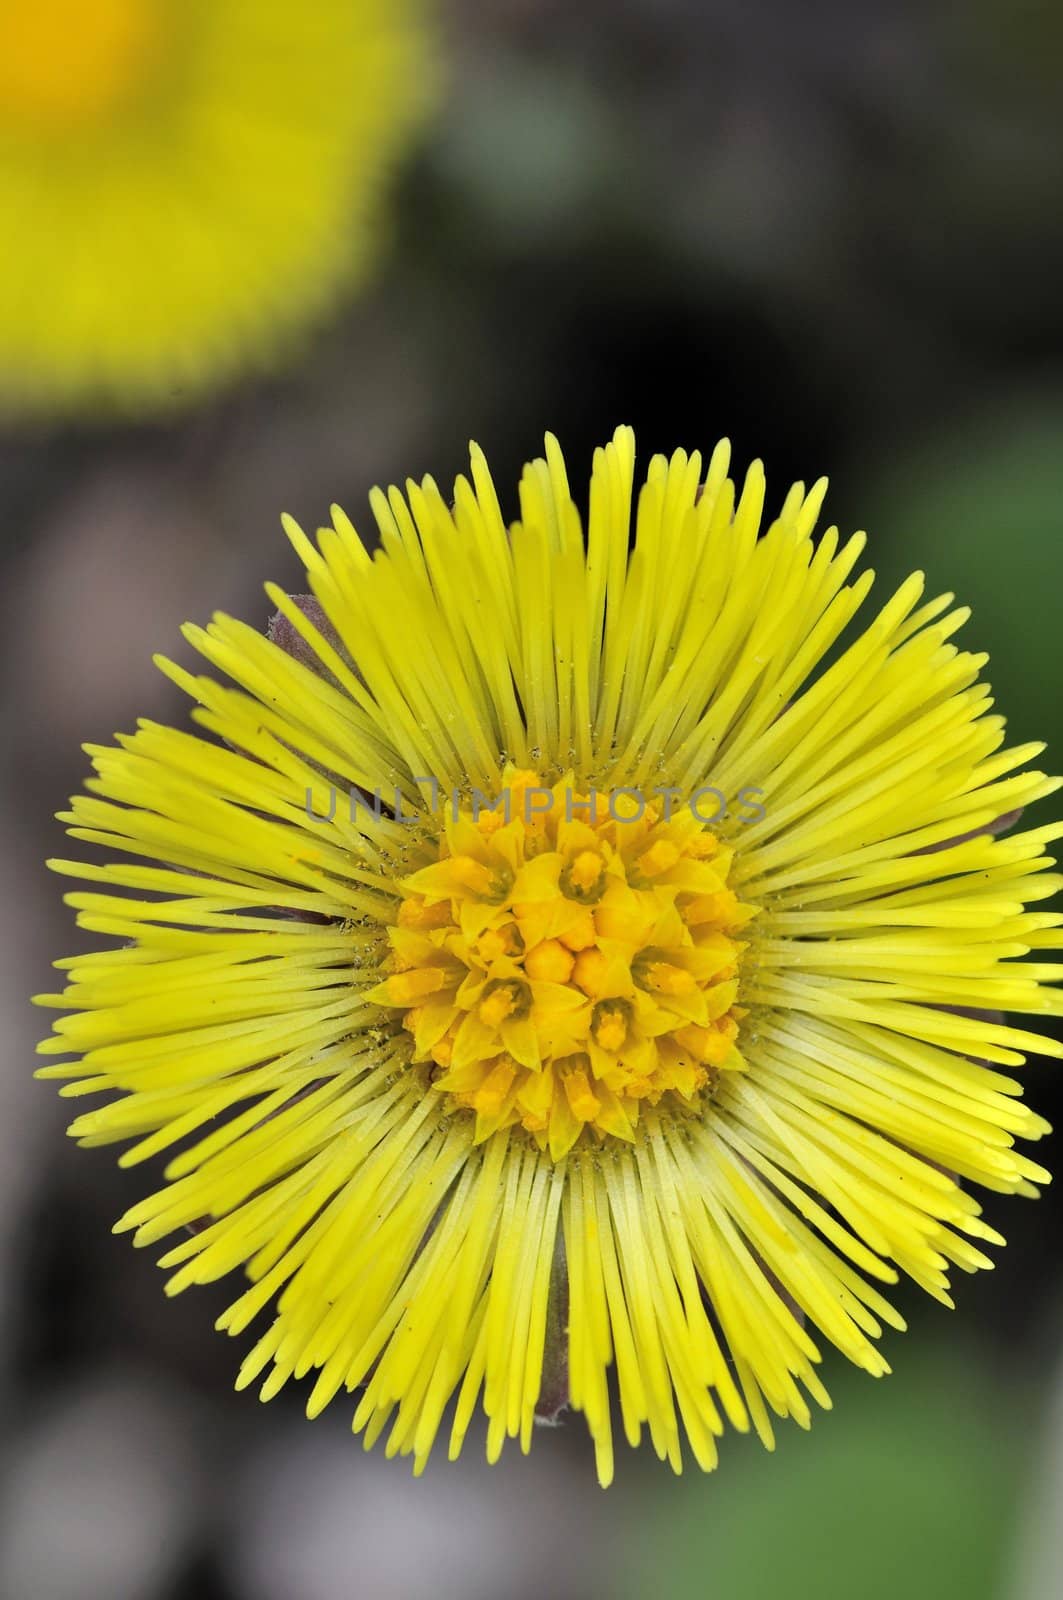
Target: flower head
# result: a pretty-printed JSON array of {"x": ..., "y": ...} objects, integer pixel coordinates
[
  {"x": 190, "y": 182},
  {"x": 565, "y": 958}
]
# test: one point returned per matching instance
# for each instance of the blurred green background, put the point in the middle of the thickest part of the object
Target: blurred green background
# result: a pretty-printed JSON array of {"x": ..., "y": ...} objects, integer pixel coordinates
[{"x": 833, "y": 233}]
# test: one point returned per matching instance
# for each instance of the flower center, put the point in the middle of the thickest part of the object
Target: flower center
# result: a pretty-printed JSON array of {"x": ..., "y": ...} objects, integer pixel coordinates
[
  {"x": 562, "y": 964},
  {"x": 65, "y": 63}
]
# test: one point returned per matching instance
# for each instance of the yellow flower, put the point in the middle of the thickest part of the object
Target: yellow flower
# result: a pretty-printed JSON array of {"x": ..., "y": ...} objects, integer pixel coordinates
[
  {"x": 187, "y": 183},
  {"x": 562, "y": 959}
]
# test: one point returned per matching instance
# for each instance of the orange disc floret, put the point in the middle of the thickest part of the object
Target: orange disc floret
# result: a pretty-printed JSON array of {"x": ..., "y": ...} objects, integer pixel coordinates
[{"x": 576, "y": 960}]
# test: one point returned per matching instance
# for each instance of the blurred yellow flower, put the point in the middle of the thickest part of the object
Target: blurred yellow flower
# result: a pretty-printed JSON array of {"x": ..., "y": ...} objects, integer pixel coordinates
[
  {"x": 187, "y": 183},
  {"x": 618, "y": 1016}
]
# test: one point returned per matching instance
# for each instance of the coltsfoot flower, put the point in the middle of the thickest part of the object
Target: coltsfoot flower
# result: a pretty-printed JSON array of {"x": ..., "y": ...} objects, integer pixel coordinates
[
  {"x": 187, "y": 182},
  {"x": 554, "y": 959}
]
